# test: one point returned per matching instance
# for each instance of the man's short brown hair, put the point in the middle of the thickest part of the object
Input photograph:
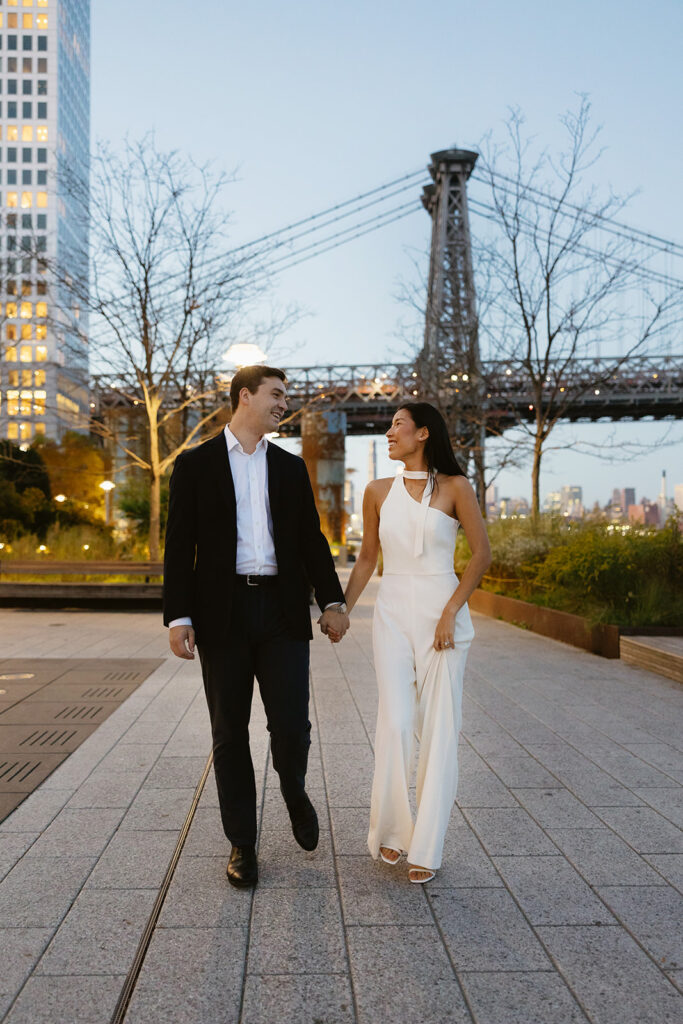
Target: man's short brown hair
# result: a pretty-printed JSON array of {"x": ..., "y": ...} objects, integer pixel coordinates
[{"x": 252, "y": 377}]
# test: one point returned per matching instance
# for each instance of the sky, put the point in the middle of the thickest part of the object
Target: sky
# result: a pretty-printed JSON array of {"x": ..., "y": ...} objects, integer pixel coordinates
[{"x": 312, "y": 103}]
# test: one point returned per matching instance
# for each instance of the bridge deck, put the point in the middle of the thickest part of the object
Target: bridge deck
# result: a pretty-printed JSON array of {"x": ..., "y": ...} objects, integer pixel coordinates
[{"x": 559, "y": 899}]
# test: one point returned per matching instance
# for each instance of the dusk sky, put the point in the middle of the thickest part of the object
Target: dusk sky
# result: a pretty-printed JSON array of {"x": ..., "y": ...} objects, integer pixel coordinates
[{"x": 314, "y": 103}]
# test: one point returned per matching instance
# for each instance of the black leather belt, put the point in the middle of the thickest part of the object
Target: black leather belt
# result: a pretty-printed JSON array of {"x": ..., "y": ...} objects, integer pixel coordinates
[{"x": 251, "y": 580}]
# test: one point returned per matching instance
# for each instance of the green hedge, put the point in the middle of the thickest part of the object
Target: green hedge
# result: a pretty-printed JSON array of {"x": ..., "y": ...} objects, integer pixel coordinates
[{"x": 631, "y": 578}]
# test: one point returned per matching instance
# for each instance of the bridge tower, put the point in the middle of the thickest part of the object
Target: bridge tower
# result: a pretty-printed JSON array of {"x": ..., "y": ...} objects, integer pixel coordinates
[{"x": 451, "y": 343}]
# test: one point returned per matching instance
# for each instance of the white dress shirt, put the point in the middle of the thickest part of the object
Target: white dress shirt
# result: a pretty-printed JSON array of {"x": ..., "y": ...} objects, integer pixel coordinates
[{"x": 255, "y": 544}]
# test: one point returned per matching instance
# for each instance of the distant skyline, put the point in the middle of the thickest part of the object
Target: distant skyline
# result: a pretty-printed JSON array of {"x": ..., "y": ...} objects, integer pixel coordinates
[{"x": 315, "y": 103}]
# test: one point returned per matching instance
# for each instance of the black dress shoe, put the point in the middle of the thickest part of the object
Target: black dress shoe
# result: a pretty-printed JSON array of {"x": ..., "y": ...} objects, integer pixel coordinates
[
  {"x": 242, "y": 867},
  {"x": 304, "y": 823}
]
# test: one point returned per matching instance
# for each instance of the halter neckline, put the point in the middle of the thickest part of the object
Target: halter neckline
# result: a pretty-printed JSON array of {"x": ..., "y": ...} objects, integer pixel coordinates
[{"x": 414, "y": 474}]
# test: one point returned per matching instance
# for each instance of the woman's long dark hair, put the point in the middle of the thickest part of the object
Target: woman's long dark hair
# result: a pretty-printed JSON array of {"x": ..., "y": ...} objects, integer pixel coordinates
[{"x": 438, "y": 450}]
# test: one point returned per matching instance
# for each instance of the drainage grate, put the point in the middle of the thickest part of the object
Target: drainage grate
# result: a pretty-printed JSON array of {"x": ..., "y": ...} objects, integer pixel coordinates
[
  {"x": 51, "y": 706},
  {"x": 83, "y": 712},
  {"x": 49, "y": 738},
  {"x": 16, "y": 772},
  {"x": 103, "y": 692}
]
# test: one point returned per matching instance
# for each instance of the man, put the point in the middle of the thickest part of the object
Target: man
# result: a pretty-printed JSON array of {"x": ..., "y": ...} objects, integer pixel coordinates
[{"x": 242, "y": 542}]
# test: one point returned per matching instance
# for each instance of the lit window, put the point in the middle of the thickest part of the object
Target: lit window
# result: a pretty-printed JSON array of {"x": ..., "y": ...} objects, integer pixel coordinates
[
  {"x": 41, "y": 332},
  {"x": 39, "y": 428},
  {"x": 41, "y": 200},
  {"x": 11, "y": 310},
  {"x": 12, "y": 133},
  {"x": 42, "y": 3},
  {"x": 26, "y": 354},
  {"x": 25, "y": 429},
  {"x": 12, "y": 431},
  {"x": 26, "y": 286},
  {"x": 41, "y": 353},
  {"x": 26, "y": 310},
  {"x": 26, "y": 331},
  {"x": 12, "y": 20},
  {"x": 0, "y": 20},
  {"x": 11, "y": 332},
  {"x": 25, "y": 399},
  {"x": 27, "y": 133},
  {"x": 12, "y": 403},
  {"x": 27, "y": 3},
  {"x": 42, "y": 133},
  {"x": 41, "y": 309},
  {"x": 12, "y": 198},
  {"x": 26, "y": 200},
  {"x": 38, "y": 403},
  {"x": 11, "y": 354},
  {"x": 26, "y": 378},
  {"x": 39, "y": 378},
  {"x": 27, "y": 20},
  {"x": 41, "y": 20}
]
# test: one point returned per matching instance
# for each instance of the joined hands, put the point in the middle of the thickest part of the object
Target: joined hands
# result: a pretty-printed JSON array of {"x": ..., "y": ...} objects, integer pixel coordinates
[{"x": 334, "y": 624}]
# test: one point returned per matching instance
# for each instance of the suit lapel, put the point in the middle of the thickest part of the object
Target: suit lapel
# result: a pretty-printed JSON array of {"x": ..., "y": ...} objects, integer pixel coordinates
[
  {"x": 221, "y": 462},
  {"x": 273, "y": 464}
]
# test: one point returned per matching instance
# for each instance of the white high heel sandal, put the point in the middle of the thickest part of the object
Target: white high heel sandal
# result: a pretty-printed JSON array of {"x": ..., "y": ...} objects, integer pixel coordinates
[
  {"x": 388, "y": 860},
  {"x": 421, "y": 881}
]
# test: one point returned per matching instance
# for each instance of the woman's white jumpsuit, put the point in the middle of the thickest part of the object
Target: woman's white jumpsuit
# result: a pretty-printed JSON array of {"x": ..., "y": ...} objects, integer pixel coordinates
[{"x": 420, "y": 689}]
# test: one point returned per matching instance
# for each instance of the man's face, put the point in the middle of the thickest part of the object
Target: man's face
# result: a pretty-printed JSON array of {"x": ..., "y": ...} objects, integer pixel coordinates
[{"x": 267, "y": 405}]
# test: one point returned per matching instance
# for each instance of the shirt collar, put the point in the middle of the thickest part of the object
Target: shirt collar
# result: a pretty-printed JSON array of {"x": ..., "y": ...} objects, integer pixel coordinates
[{"x": 232, "y": 442}]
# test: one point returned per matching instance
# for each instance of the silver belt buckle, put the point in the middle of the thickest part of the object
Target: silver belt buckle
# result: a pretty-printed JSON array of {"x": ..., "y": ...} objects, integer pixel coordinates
[{"x": 249, "y": 576}]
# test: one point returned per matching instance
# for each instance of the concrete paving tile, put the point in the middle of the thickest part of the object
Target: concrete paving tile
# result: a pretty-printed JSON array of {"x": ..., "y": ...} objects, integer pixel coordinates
[
  {"x": 644, "y": 829},
  {"x": 660, "y": 755},
  {"x": 516, "y": 997},
  {"x": 485, "y": 931},
  {"x": 37, "y": 811},
  {"x": 630, "y": 770},
  {"x": 13, "y": 845},
  {"x": 376, "y": 893},
  {"x": 134, "y": 860},
  {"x": 348, "y": 774},
  {"x": 190, "y": 976},
  {"x": 508, "y": 830},
  {"x": 654, "y": 916},
  {"x": 158, "y": 809},
  {"x": 602, "y": 857},
  {"x": 347, "y": 730},
  {"x": 297, "y": 931},
  {"x": 556, "y": 808},
  {"x": 465, "y": 863},
  {"x": 128, "y": 757},
  {"x": 79, "y": 832},
  {"x": 670, "y": 865},
  {"x": 398, "y": 967},
  {"x": 350, "y": 830},
  {"x": 305, "y": 1000},
  {"x": 283, "y": 864},
  {"x": 206, "y": 837},
  {"x": 200, "y": 896},
  {"x": 176, "y": 773},
  {"x": 38, "y": 892},
  {"x": 86, "y": 1000},
  {"x": 550, "y": 891},
  {"x": 611, "y": 976},
  {"x": 483, "y": 789},
  {"x": 116, "y": 789},
  {"x": 669, "y": 802},
  {"x": 100, "y": 934},
  {"x": 20, "y": 950},
  {"x": 149, "y": 731}
]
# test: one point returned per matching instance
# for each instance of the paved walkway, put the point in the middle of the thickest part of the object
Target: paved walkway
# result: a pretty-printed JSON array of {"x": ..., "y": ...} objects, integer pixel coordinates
[{"x": 559, "y": 900}]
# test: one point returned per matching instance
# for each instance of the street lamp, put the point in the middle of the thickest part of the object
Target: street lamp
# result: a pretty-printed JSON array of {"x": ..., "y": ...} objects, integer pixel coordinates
[
  {"x": 244, "y": 354},
  {"x": 107, "y": 486},
  {"x": 60, "y": 498}
]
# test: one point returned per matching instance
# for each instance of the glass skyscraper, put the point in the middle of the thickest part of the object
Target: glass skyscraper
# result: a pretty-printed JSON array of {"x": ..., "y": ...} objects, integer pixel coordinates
[{"x": 45, "y": 124}]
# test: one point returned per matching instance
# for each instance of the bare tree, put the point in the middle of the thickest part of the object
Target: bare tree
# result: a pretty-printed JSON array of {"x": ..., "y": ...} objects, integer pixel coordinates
[
  {"x": 569, "y": 288},
  {"x": 164, "y": 298}
]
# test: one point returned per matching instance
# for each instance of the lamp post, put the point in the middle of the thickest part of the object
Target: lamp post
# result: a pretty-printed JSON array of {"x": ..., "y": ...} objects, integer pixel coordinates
[
  {"x": 107, "y": 486},
  {"x": 244, "y": 354}
]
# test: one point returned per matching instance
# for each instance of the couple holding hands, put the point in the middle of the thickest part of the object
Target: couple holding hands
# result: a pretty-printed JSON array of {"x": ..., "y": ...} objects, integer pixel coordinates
[{"x": 243, "y": 540}]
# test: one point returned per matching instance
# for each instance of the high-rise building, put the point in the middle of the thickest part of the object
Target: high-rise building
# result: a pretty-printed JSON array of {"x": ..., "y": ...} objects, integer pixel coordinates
[
  {"x": 678, "y": 496},
  {"x": 45, "y": 123}
]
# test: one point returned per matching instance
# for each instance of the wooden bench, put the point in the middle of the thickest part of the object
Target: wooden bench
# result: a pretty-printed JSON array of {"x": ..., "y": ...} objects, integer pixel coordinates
[{"x": 83, "y": 594}]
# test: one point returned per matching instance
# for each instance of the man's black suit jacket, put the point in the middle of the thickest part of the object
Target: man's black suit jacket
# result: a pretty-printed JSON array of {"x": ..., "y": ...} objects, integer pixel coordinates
[{"x": 201, "y": 541}]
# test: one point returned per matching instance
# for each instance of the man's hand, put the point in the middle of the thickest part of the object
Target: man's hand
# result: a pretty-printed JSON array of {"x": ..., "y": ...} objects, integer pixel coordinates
[
  {"x": 334, "y": 624},
  {"x": 181, "y": 639}
]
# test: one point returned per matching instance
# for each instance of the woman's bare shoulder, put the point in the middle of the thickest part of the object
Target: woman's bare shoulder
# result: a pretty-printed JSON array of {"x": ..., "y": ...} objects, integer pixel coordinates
[{"x": 380, "y": 486}]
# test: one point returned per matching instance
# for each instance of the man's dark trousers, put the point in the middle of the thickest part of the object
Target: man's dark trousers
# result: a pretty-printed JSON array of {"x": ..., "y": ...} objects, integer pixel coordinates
[{"x": 257, "y": 643}]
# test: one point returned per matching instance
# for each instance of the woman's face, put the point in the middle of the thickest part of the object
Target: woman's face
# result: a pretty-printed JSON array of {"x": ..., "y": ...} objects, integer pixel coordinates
[{"x": 404, "y": 437}]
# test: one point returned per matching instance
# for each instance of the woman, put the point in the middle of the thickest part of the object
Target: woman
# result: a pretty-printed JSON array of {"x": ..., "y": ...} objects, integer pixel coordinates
[{"x": 421, "y": 633}]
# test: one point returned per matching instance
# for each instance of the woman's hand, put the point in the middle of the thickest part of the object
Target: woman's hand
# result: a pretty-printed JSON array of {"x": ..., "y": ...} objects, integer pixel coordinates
[{"x": 443, "y": 636}]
